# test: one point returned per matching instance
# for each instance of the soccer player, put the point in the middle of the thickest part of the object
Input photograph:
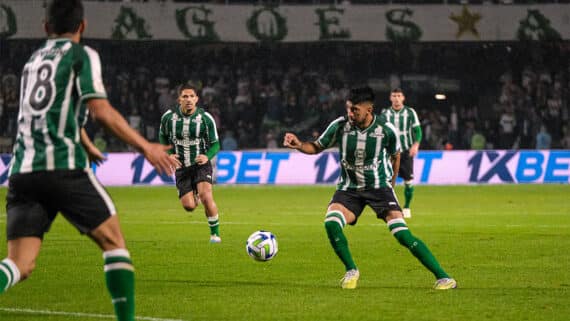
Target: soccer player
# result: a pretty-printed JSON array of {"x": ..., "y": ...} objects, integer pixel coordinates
[
  {"x": 366, "y": 143},
  {"x": 192, "y": 133},
  {"x": 409, "y": 132},
  {"x": 50, "y": 173}
]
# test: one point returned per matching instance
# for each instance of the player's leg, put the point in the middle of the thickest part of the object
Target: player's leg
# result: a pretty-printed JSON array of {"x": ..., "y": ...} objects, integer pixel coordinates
[
  {"x": 118, "y": 267},
  {"x": 337, "y": 217},
  {"x": 204, "y": 187},
  {"x": 185, "y": 189},
  {"x": 406, "y": 172},
  {"x": 20, "y": 262},
  {"x": 188, "y": 201},
  {"x": 211, "y": 209},
  {"x": 28, "y": 217},
  {"x": 91, "y": 210},
  {"x": 398, "y": 227}
]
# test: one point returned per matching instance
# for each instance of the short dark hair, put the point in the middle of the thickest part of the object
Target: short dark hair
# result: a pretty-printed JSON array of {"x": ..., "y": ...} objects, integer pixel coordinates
[
  {"x": 186, "y": 86},
  {"x": 397, "y": 90},
  {"x": 361, "y": 94},
  {"x": 63, "y": 16}
]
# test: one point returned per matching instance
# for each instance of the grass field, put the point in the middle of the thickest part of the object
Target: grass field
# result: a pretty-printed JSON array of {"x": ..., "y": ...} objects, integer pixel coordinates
[{"x": 507, "y": 246}]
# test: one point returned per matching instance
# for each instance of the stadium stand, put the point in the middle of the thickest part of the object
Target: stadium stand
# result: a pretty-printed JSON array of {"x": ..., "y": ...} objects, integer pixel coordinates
[{"x": 504, "y": 92}]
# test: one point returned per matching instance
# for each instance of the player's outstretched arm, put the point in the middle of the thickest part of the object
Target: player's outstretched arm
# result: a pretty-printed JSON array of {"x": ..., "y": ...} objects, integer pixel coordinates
[
  {"x": 93, "y": 152},
  {"x": 110, "y": 118},
  {"x": 292, "y": 141}
]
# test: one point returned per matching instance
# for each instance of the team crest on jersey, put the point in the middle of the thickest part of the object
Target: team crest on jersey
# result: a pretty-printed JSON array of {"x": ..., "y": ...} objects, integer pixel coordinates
[
  {"x": 198, "y": 119},
  {"x": 377, "y": 133},
  {"x": 174, "y": 117}
]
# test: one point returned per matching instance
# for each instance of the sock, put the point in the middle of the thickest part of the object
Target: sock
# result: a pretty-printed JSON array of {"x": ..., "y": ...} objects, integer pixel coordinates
[
  {"x": 120, "y": 276},
  {"x": 408, "y": 194},
  {"x": 400, "y": 230},
  {"x": 9, "y": 274},
  {"x": 214, "y": 223},
  {"x": 334, "y": 223}
]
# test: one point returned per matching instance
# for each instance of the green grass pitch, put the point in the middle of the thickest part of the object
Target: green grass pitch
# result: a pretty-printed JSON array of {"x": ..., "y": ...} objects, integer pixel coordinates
[{"x": 508, "y": 247}]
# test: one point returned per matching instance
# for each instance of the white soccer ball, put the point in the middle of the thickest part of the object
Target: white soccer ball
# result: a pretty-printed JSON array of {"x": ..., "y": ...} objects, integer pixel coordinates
[{"x": 261, "y": 245}]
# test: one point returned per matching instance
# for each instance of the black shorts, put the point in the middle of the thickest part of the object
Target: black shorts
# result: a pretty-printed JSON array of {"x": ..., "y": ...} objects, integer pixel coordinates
[
  {"x": 34, "y": 199},
  {"x": 380, "y": 200},
  {"x": 406, "y": 166},
  {"x": 187, "y": 178}
]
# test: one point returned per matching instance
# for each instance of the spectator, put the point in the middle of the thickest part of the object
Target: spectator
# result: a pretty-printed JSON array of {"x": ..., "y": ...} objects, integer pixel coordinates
[
  {"x": 543, "y": 138},
  {"x": 229, "y": 142}
]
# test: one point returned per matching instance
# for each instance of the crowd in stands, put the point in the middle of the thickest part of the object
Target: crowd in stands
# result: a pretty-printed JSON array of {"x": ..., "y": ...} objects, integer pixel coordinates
[
  {"x": 350, "y": 2},
  {"x": 511, "y": 96}
]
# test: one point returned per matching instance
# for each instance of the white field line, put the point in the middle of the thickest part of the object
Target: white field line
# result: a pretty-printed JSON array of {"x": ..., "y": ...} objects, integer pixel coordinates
[{"x": 77, "y": 314}]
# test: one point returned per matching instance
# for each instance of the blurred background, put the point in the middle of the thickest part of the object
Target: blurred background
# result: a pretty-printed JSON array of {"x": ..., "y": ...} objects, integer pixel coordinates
[{"x": 512, "y": 92}]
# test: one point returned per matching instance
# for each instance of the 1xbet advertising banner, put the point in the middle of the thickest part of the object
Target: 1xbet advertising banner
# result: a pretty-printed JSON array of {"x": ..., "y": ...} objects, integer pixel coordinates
[{"x": 283, "y": 167}]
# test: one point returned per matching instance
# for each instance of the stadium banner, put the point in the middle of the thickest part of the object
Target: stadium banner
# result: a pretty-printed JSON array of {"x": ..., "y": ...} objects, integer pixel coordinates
[
  {"x": 289, "y": 168},
  {"x": 203, "y": 23}
]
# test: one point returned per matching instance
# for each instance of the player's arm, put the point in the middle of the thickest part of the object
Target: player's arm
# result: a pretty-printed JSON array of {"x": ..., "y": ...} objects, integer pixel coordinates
[
  {"x": 93, "y": 152},
  {"x": 393, "y": 148},
  {"x": 213, "y": 141},
  {"x": 395, "y": 160},
  {"x": 292, "y": 141},
  {"x": 416, "y": 134},
  {"x": 164, "y": 139},
  {"x": 109, "y": 117}
]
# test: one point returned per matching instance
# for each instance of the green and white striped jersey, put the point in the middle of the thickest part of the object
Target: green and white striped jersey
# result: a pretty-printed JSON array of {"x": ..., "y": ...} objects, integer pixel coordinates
[
  {"x": 190, "y": 135},
  {"x": 407, "y": 125},
  {"x": 56, "y": 82},
  {"x": 364, "y": 154}
]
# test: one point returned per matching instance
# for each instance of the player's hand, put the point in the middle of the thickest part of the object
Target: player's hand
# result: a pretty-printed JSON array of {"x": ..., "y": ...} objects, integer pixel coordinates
[
  {"x": 95, "y": 155},
  {"x": 157, "y": 156},
  {"x": 175, "y": 157},
  {"x": 414, "y": 149},
  {"x": 291, "y": 141},
  {"x": 201, "y": 159}
]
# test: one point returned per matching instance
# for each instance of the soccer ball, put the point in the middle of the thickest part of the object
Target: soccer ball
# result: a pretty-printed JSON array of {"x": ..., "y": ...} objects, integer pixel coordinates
[{"x": 261, "y": 245}]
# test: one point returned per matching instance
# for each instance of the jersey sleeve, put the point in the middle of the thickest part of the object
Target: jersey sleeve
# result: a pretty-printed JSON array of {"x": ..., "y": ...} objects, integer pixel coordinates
[
  {"x": 416, "y": 127},
  {"x": 393, "y": 143},
  {"x": 212, "y": 129},
  {"x": 328, "y": 138},
  {"x": 163, "y": 136},
  {"x": 89, "y": 79}
]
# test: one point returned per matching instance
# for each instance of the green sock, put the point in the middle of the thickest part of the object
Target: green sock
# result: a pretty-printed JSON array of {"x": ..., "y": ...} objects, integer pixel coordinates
[
  {"x": 401, "y": 232},
  {"x": 9, "y": 274},
  {"x": 334, "y": 223},
  {"x": 120, "y": 276},
  {"x": 214, "y": 223},
  {"x": 408, "y": 194}
]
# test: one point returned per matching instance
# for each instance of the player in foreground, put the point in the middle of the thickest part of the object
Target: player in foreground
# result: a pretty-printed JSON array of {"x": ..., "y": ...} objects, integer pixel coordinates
[
  {"x": 409, "y": 132},
  {"x": 192, "y": 131},
  {"x": 366, "y": 143},
  {"x": 50, "y": 172}
]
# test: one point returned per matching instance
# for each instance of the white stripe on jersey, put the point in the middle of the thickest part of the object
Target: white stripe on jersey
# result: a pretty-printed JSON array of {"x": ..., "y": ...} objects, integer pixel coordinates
[
  {"x": 405, "y": 131},
  {"x": 213, "y": 122},
  {"x": 343, "y": 158},
  {"x": 185, "y": 133},
  {"x": 197, "y": 132},
  {"x": 95, "y": 63},
  {"x": 376, "y": 154},
  {"x": 63, "y": 120},
  {"x": 359, "y": 159},
  {"x": 106, "y": 198}
]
